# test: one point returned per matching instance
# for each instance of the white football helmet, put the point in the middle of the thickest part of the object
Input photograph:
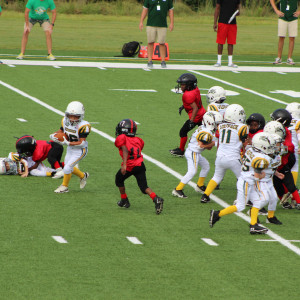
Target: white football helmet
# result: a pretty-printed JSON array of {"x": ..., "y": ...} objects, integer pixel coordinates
[
  {"x": 277, "y": 140},
  {"x": 216, "y": 94},
  {"x": 235, "y": 113},
  {"x": 294, "y": 109},
  {"x": 75, "y": 108},
  {"x": 2, "y": 166},
  {"x": 277, "y": 128},
  {"x": 212, "y": 119},
  {"x": 263, "y": 142}
]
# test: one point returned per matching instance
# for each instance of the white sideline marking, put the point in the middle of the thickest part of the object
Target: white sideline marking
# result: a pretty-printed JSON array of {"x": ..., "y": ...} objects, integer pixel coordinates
[
  {"x": 237, "y": 72},
  {"x": 134, "y": 240},
  {"x": 209, "y": 242},
  {"x": 21, "y": 120},
  {"x": 131, "y": 90},
  {"x": 293, "y": 241},
  {"x": 239, "y": 87},
  {"x": 59, "y": 239},
  {"x": 219, "y": 201}
]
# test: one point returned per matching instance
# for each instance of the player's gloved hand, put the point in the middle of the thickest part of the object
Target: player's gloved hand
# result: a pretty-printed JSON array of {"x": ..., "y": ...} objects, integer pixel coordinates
[
  {"x": 65, "y": 142},
  {"x": 181, "y": 108},
  {"x": 191, "y": 124},
  {"x": 54, "y": 139}
]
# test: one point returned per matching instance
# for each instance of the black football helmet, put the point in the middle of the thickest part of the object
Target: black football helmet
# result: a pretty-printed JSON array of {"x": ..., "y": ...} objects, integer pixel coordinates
[
  {"x": 189, "y": 80},
  {"x": 25, "y": 145},
  {"x": 283, "y": 116},
  {"x": 127, "y": 127},
  {"x": 257, "y": 118}
]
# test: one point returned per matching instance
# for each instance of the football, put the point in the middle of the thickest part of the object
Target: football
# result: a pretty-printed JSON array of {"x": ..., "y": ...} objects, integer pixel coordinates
[{"x": 60, "y": 136}]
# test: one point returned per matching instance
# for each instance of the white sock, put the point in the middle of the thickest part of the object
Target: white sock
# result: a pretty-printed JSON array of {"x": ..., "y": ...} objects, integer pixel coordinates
[
  {"x": 219, "y": 59},
  {"x": 229, "y": 59}
]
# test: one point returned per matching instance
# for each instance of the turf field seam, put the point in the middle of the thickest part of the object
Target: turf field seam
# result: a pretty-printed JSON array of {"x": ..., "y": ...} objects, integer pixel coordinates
[{"x": 164, "y": 167}]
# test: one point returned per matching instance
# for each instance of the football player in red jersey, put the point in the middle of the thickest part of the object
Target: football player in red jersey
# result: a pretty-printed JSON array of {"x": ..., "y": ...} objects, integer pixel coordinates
[
  {"x": 192, "y": 104},
  {"x": 256, "y": 123},
  {"x": 130, "y": 149},
  {"x": 40, "y": 150}
]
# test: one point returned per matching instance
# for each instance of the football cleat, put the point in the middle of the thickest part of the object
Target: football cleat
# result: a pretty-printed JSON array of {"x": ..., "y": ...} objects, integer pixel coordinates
[
  {"x": 258, "y": 229},
  {"x": 285, "y": 198},
  {"x": 59, "y": 173},
  {"x": 273, "y": 220},
  {"x": 287, "y": 205},
  {"x": 200, "y": 189},
  {"x": 217, "y": 187},
  {"x": 20, "y": 56},
  {"x": 263, "y": 212},
  {"x": 159, "y": 203},
  {"x": 177, "y": 152},
  {"x": 124, "y": 203},
  {"x": 178, "y": 193},
  {"x": 62, "y": 189},
  {"x": 214, "y": 217},
  {"x": 205, "y": 199},
  {"x": 83, "y": 180}
]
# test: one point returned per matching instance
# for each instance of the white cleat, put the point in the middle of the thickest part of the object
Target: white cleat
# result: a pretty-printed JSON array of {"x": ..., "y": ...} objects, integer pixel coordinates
[
  {"x": 61, "y": 189},
  {"x": 83, "y": 180},
  {"x": 217, "y": 65},
  {"x": 59, "y": 173},
  {"x": 232, "y": 66}
]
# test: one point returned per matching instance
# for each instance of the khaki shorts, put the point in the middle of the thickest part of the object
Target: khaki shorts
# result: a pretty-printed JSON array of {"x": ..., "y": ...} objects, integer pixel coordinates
[
  {"x": 290, "y": 27},
  {"x": 156, "y": 32},
  {"x": 45, "y": 24}
]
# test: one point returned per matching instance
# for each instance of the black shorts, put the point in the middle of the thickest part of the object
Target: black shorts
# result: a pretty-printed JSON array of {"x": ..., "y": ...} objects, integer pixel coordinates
[
  {"x": 288, "y": 181},
  {"x": 55, "y": 154},
  {"x": 140, "y": 175},
  {"x": 186, "y": 128}
]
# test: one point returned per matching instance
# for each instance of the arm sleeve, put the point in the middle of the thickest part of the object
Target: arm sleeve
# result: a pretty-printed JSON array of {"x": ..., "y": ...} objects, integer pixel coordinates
[
  {"x": 120, "y": 141},
  {"x": 29, "y": 4},
  {"x": 52, "y": 5}
]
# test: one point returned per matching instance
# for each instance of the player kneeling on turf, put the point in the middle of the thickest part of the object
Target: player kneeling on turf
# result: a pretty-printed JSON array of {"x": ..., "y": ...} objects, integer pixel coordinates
[
  {"x": 130, "y": 149},
  {"x": 201, "y": 139},
  {"x": 77, "y": 130}
]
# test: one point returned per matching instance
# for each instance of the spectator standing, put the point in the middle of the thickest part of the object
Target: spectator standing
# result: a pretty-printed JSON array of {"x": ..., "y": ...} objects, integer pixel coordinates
[
  {"x": 157, "y": 11},
  {"x": 287, "y": 22}
]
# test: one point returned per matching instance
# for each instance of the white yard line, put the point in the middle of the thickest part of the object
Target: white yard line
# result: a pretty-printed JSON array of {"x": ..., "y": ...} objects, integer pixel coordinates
[
  {"x": 134, "y": 240},
  {"x": 59, "y": 239},
  {"x": 210, "y": 242},
  {"x": 219, "y": 201}
]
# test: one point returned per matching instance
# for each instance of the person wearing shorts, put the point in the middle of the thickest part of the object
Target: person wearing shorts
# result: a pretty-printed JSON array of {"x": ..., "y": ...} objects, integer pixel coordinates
[
  {"x": 287, "y": 23},
  {"x": 226, "y": 28},
  {"x": 36, "y": 12},
  {"x": 157, "y": 11}
]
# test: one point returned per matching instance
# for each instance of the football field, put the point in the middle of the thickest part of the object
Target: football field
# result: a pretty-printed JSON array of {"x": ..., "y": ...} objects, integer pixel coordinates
[{"x": 81, "y": 245}]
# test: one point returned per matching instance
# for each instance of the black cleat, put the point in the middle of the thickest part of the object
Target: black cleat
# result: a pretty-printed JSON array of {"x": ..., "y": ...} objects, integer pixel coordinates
[
  {"x": 159, "y": 203},
  {"x": 274, "y": 220},
  {"x": 205, "y": 199},
  {"x": 124, "y": 203},
  {"x": 263, "y": 212},
  {"x": 258, "y": 229},
  {"x": 178, "y": 193},
  {"x": 177, "y": 152},
  {"x": 200, "y": 189},
  {"x": 287, "y": 205},
  {"x": 214, "y": 217}
]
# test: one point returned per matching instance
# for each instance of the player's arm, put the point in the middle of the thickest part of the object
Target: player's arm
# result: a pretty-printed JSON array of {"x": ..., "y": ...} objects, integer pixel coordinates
[
  {"x": 277, "y": 11},
  {"x": 125, "y": 157},
  {"x": 216, "y": 17},
  {"x": 27, "y": 10},
  {"x": 171, "y": 16},
  {"x": 25, "y": 172},
  {"x": 259, "y": 165},
  {"x": 206, "y": 146},
  {"x": 77, "y": 143},
  {"x": 259, "y": 174},
  {"x": 143, "y": 16},
  {"x": 34, "y": 166},
  {"x": 194, "y": 112}
]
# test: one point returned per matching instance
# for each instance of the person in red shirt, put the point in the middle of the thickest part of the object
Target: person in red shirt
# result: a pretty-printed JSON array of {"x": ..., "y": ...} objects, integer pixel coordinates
[
  {"x": 40, "y": 150},
  {"x": 192, "y": 104},
  {"x": 256, "y": 123},
  {"x": 130, "y": 149}
]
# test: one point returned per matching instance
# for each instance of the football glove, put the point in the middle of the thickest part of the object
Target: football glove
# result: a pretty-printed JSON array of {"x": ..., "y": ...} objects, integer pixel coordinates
[
  {"x": 191, "y": 124},
  {"x": 181, "y": 108}
]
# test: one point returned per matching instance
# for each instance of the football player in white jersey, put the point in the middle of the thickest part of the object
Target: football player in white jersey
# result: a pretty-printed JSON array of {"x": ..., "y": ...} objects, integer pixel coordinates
[
  {"x": 257, "y": 165},
  {"x": 77, "y": 131},
  {"x": 294, "y": 110},
  {"x": 201, "y": 139},
  {"x": 216, "y": 96},
  {"x": 9, "y": 166},
  {"x": 233, "y": 134}
]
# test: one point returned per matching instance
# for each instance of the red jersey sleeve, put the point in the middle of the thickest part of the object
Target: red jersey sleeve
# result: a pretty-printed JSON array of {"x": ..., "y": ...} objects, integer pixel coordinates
[
  {"x": 41, "y": 151},
  {"x": 120, "y": 141}
]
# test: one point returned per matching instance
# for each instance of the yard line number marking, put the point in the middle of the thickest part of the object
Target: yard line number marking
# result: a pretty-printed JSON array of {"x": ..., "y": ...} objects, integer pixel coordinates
[
  {"x": 219, "y": 201},
  {"x": 134, "y": 240},
  {"x": 209, "y": 242},
  {"x": 59, "y": 239}
]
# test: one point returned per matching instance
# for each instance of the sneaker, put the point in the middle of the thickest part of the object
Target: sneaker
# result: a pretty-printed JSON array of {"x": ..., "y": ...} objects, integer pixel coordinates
[
  {"x": 263, "y": 212},
  {"x": 217, "y": 65},
  {"x": 177, "y": 152},
  {"x": 59, "y": 173},
  {"x": 290, "y": 62},
  {"x": 200, "y": 189},
  {"x": 287, "y": 205},
  {"x": 83, "y": 180},
  {"x": 51, "y": 57},
  {"x": 205, "y": 199},
  {"x": 232, "y": 65},
  {"x": 178, "y": 193},
  {"x": 258, "y": 229},
  {"x": 159, "y": 203},
  {"x": 124, "y": 203},
  {"x": 163, "y": 64},
  {"x": 277, "y": 61},
  {"x": 20, "y": 56},
  {"x": 61, "y": 189},
  {"x": 214, "y": 217},
  {"x": 150, "y": 64},
  {"x": 273, "y": 220}
]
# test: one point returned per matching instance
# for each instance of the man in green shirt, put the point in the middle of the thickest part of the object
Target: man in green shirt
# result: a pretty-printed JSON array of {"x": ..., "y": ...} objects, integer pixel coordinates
[
  {"x": 157, "y": 11},
  {"x": 0, "y": 10},
  {"x": 288, "y": 21},
  {"x": 36, "y": 12}
]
